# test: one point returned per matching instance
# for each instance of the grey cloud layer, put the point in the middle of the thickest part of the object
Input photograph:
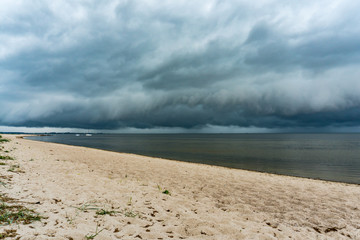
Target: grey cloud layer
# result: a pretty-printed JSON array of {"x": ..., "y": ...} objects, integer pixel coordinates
[{"x": 144, "y": 64}]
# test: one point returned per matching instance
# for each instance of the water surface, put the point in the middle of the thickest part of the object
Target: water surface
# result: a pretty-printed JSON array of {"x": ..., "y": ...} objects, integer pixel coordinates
[{"x": 334, "y": 157}]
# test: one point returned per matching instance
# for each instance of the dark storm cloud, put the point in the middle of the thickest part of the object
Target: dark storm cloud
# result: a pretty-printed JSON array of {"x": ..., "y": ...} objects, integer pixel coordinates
[{"x": 117, "y": 64}]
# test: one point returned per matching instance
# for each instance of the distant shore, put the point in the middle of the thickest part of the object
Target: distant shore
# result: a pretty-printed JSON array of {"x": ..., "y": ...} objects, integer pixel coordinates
[{"x": 108, "y": 195}]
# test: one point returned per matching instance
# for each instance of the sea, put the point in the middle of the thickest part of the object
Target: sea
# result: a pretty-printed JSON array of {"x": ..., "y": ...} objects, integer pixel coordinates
[{"x": 332, "y": 157}]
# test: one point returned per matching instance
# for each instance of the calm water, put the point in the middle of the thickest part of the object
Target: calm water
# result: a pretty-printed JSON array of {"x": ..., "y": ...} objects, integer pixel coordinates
[{"x": 334, "y": 157}]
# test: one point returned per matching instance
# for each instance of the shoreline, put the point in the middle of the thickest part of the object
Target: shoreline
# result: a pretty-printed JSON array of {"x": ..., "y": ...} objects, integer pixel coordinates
[
  {"x": 204, "y": 164},
  {"x": 204, "y": 201}
]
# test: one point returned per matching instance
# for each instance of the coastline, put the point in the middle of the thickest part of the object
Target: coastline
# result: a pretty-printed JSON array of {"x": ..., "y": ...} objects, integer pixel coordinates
[
  {"x": 205, "y": 202},
  {"x": 196, "y": 163},
  {"x": 315, "y": 156}
]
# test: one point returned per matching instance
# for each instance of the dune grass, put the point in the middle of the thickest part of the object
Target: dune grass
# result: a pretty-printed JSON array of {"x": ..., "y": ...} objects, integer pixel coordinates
[
  {"x": 10, "y": 214},
  {"x": 92, "y": 236},
  {"x": 3, "y": 139},
  {"x": 105, "y": 212},
  {"x": 8, "y": 233}
]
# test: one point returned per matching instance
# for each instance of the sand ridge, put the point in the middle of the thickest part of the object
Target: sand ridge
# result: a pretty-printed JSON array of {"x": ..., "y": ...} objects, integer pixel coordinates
[{"x": 72, "y": 185}]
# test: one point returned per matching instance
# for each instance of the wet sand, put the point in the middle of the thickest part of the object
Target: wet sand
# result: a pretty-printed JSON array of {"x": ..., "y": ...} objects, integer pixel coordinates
[{"x": 152, "y": 198}]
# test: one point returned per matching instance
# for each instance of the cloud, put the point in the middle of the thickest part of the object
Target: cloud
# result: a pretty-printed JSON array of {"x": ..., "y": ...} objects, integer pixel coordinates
[{"x": 184, "y": 64}]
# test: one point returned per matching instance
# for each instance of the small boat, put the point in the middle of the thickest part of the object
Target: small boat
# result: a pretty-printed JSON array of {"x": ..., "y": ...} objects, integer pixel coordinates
[
  {"x": 88, "y": 135},
  {"x": 78, "y": 135}
]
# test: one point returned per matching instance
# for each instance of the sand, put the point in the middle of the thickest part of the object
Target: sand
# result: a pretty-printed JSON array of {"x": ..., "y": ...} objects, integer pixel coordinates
[{"x": 68, "y": 185}]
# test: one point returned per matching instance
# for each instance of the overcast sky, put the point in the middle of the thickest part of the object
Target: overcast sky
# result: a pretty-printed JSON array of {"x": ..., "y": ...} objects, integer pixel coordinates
[{"x": 189, "y": 65}]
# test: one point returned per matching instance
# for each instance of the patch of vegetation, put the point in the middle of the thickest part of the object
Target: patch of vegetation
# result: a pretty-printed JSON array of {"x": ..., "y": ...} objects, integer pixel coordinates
[
  {"x": 166, "y": 192},
  {"x": 8, "y": 233},
  {"x": 86, "y": 207},
  {"x": 10, "y": 214},
  {"x": 2, "y": 183},
  {"x": 69, "y": 219},
  {"x": 130, "y": 213},
  {"x": 6, "y": 158},
  {"x": 4, "y": 198},
  {"x": 3, "y": 139},
  {"x": 14, "y": 168},
  {"x": 105, "y": 212},
  {"x": 92, "y": 236}
]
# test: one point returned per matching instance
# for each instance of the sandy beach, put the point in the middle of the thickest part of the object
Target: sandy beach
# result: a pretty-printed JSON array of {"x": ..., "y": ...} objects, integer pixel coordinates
[{"x": 83, "y": 192}]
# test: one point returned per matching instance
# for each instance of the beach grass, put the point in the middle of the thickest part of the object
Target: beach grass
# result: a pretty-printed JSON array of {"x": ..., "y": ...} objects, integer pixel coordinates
[
  {"x": 3, "y": 139},
  {"x": 105, "y": 212},
  {"x": 86, "y": 207},
  {"x": 8, "y": 233},
  {"x": 10, "y": 214},
  {"x": 164, "y": 191},
  {"x": 92, "y": 236},
  {"x": 130, "y": 213}
]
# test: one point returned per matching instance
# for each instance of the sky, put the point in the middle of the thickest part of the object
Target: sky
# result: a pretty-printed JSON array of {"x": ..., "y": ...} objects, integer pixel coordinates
[{"x": 183, "y": 66}]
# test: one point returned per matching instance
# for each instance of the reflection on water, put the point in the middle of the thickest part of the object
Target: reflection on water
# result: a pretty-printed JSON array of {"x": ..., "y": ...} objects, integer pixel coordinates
[{"x": 332, "y": 157}]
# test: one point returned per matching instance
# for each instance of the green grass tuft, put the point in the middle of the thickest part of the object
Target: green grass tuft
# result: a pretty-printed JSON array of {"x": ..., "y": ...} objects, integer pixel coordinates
[
  {"x": 10, "y": 214},
  {"x": 130, "y": 213},
  {"x": 3, "y": 139},
  {"x": 8, "y": 233},
  {"x": 86, "y": 207},
  {"x": 14, "y": 168},
  {"x": 166, "y": 192},
  {"x": 105, "y": 212},
  {"x": 92, "y": 236}
]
